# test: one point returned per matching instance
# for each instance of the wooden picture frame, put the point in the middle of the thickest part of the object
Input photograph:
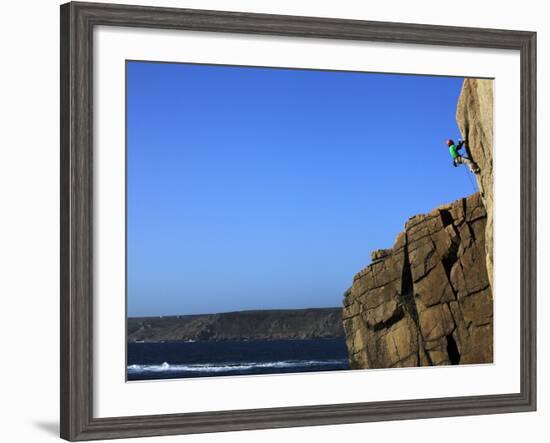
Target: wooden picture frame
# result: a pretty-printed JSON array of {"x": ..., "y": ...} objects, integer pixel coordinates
[{"x": 77, "y": 23}]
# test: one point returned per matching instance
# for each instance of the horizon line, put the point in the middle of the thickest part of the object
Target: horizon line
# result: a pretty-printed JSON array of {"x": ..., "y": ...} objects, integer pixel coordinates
[{"x": 238, "y": 311}]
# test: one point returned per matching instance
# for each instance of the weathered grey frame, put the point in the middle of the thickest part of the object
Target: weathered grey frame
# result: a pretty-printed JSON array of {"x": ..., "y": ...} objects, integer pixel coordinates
[{"x": 77, "y": 23}]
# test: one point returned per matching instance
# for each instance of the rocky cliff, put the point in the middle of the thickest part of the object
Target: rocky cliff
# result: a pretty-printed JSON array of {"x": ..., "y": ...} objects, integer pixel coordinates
[
  {"x": 427, "y": 300},
  {"x": 474, "y": 115},
  {"x": 241, "y": 325}
]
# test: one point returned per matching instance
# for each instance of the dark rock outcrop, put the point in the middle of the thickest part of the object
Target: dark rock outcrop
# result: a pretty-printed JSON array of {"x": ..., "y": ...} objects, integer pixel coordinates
[
  {"x": 281, "y": 324},
  {"x": 426, "y": 301}
]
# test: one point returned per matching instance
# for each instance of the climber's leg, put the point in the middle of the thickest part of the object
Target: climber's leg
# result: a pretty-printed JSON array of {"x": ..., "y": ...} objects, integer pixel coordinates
[{"x": 465, "y": 160}]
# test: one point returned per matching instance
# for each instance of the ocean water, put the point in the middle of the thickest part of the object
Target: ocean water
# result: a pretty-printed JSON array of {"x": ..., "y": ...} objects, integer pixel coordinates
[{"x": 148, "y": 361}]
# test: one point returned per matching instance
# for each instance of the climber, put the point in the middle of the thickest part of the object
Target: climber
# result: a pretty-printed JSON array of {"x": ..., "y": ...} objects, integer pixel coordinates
[{"x": 460, "y": 159}]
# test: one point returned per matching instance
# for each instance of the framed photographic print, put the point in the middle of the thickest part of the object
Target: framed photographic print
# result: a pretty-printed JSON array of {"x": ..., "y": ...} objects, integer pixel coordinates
[{"x": 272, "y": 221}]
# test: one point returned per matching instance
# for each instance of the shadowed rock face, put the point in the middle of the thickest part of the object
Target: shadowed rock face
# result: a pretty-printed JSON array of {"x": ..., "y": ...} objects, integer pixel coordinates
[
  {"x": 474, "y": 115},
  {"x": 426, "y": 301}
]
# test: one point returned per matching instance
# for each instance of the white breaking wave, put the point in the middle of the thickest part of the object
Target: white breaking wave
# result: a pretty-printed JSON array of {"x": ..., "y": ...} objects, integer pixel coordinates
[{"x": 227, "y": 367}]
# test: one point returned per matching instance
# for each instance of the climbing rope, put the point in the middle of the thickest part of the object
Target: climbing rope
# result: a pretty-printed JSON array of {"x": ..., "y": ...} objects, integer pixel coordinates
[{"x": 470, "y": 179}]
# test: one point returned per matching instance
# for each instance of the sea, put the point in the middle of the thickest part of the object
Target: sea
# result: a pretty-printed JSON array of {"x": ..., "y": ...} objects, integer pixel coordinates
[{"x": 168, "y": 360}]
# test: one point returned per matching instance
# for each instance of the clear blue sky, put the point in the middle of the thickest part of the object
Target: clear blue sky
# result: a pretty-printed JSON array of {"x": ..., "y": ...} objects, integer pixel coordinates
[{"x": 258, "y": 188}]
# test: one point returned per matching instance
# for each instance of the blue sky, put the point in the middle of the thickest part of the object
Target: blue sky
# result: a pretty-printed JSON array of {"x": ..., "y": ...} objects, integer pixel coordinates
[{"x": 259, "y": 188}]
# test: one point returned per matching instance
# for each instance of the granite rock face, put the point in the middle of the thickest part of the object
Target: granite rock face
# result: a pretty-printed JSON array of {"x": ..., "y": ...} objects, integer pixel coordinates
[
  {"x": 474, "y": 115},
  {"x": 427, "y": 300}
]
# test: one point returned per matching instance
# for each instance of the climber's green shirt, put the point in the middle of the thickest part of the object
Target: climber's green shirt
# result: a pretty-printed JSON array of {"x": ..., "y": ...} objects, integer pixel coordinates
[{"x": 453, "y": 151}]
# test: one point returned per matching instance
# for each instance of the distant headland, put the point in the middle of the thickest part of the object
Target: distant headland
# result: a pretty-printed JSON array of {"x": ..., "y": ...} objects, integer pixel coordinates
[{"x": 276, "y": 324}]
